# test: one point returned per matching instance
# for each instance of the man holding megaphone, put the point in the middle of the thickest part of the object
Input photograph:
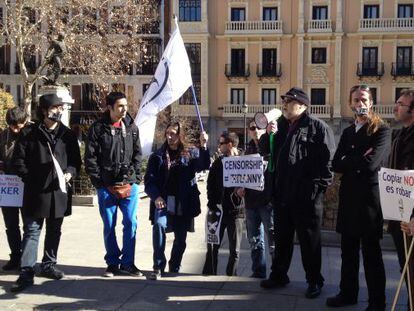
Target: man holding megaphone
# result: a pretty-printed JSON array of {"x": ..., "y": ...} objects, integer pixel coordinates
[{"x": 301, "y": 150}]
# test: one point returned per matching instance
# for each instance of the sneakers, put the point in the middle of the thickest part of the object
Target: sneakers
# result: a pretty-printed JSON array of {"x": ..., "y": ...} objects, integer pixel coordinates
[
  {"x": 13, "y": 263},
  {"x": 274, "y": 283},
  {"x": 340, "y": 301},
  {"x": 51, "y": 272},
  {"x": 313, "y": 291},
  {"x": 111, "y": 271},
  {"x": 155, "y": 275},
  {"x": 131, "y": 270},
  {"x": 21, "y": 284}
]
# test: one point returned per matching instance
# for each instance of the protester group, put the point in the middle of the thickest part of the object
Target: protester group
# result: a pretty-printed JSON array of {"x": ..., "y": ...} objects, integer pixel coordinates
[{"x": 301, "y": 156}]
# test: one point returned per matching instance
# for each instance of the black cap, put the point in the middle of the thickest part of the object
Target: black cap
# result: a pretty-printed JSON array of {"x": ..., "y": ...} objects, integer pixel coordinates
[
  {"x": 297, "y": 94},
  {"x": 48, "y": 100}
]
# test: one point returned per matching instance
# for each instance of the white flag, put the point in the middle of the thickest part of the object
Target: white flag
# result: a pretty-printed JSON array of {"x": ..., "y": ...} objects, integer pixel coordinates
[{"x": 172, "y": 78}]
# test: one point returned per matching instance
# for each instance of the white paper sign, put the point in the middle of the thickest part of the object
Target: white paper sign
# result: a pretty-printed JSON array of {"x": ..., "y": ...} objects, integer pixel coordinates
[
  {"x": 396, "y": 193},
  {"x": 213, "y": 223},
  {"x": 11, "y": 191},
  {"x": 244, "y": 171},
  {"x": 59, "y": 172}
]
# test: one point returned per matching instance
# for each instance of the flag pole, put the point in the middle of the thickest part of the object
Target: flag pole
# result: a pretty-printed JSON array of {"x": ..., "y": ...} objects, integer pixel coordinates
[{"x": 196, "y": 108}]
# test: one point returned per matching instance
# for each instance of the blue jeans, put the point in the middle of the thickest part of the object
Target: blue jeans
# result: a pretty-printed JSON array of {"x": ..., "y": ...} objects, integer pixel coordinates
[
  {"x": 108, "y": 208},
  {"x": 11, "y": 222},
  {"x": 31, "y": 232},
  {"x": 159, "y": 238},
  {"x": 258, "y": 221}
]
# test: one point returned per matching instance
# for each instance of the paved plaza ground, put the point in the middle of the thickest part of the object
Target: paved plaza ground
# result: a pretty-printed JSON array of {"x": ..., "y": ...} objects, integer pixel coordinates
[{"x": 81, "y": 258}]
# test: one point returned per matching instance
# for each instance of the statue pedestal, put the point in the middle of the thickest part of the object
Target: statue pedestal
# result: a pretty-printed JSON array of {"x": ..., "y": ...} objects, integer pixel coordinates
[{"x": 63, "y": 93}]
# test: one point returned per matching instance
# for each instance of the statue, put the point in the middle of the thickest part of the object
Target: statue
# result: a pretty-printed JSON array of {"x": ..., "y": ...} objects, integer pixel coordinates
[{"x": 54, "y": 55}]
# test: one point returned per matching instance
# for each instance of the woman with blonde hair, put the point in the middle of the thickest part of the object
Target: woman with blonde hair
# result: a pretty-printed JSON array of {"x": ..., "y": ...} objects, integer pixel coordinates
[{"x": 362, "y": 149}]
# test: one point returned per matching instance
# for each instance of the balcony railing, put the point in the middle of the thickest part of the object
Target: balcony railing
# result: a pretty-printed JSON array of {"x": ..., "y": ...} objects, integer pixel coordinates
[
  {"x": 370, "y": 70},
  {"x": 233, "y": 71},
  {"x": 402, "y": 69},
  {"x": 385, "y": 111},
  {"x": 386, "y": 24},
  {"x": 266, "y": 71},
  {"x": 253, "y": 27},
  {"x": 320, "y": 25},
  {"x": 229, "y": 110}
]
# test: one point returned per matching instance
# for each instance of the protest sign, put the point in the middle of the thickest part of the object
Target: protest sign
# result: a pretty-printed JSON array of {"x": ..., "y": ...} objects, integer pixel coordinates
[
  {"x": 244, "y": 171},
  {"x": 396, "y": 193},
  {"x": 213, "y": 223},
  {"x": 11, "y": 191}
]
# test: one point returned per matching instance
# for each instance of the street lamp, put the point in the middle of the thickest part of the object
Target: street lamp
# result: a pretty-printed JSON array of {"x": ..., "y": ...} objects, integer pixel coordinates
[{"x": 244, "y": 109}]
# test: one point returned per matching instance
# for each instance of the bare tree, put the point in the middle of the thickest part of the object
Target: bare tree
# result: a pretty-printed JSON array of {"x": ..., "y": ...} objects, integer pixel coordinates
[{"x": 103, "y": 38}]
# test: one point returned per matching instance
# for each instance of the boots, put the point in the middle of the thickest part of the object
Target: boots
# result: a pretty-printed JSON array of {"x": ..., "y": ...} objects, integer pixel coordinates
[{"x": 13, "y": 263}]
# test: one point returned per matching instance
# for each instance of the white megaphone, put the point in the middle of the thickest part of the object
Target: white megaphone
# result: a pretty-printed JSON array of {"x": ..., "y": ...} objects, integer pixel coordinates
[{"x": 262, "y": 119}]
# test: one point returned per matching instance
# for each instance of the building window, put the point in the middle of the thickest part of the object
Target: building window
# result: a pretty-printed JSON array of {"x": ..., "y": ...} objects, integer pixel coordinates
[
  {"x": 269, "y": 97},
  {"x": 371, "y": 11},
  {"x": 238, "y": 65},
  {"x": 194, "y": 56},
  {"x": 374, "y": 95},
  {"x": 238, "y": 14},
  {"x": 270, "y": 14},
  {"x": 320, "y": 12},
  {"x": 1, "y": 18},
  {"x": 370, "y": 60},
  {"x": 405, "y": 11},
  {"x": 90, "y": 97},
  {"x": 318, "y": 55},
  {"x": 318, "y": 96},
  {"x": 269, "y": 61},
  {"x": 237, "y": 97},
  {"x": 190, "y": 10},
  {"x": 404, "y": 59}
]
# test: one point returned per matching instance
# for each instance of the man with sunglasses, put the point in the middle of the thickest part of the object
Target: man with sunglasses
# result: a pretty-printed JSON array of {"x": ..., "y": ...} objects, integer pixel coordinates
[
  {"x": 402, "y": 158},
  {"x": 302, "y": 150}
]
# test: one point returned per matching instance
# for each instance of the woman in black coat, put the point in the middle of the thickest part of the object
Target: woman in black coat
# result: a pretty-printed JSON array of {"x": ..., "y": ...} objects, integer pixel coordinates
[
  {"x": 362, "y": 150},
  {"x": 45, "y": 199}
]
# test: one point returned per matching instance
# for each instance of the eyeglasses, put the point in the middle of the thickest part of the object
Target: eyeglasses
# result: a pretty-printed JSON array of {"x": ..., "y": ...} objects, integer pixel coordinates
[
  {"x": 401, "y": 105},
  {"x": 287, "y": 100},
  {"x": 252, "y": 128}
]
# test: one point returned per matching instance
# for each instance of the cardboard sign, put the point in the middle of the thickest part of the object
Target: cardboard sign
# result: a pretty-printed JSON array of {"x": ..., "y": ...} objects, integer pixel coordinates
[
  {"x": 213, "y": 223},
  {"x": 396, "y": 193},
  {"x": 11, "y": 191},
  {"x": 244, "y": 171}
]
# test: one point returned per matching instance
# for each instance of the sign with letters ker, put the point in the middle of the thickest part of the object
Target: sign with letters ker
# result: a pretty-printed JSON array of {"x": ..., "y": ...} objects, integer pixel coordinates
[{"x": 11, "y": 191}]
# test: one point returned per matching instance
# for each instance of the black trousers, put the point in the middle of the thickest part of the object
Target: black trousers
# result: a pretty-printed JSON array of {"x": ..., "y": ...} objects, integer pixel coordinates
[
  {"x": 307, "y": 225},
  {"x": 14, "y": 237},
  {"x": 234, "y": 232},
  {"x": 373, "y": 265}
]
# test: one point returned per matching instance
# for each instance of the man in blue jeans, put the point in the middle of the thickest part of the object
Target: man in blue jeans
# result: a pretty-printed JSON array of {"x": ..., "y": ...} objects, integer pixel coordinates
[
  {"x": 259, "y": 212},
  {"x": 171, "y": 184},
  {"x": 112, "y": 160}
]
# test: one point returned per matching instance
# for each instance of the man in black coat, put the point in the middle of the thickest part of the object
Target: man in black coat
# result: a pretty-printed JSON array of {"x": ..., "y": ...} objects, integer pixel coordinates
[
  {"x": 402, "y": 158},
  {"x": 303, "y": 146},
  {"x": 42, "y": 151}
]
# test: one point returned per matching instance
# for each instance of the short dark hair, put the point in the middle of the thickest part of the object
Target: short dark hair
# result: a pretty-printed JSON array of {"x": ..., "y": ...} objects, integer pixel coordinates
[
  {"x": 112, "y": 97},
  {"x": 230, "y": 137},
  {"x": 408, "y": 93},
  {"x": 16, "y": 115}
]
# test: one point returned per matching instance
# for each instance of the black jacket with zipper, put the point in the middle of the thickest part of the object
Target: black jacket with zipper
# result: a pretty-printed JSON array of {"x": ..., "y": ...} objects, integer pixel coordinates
[{"x": 110, "y": 157}]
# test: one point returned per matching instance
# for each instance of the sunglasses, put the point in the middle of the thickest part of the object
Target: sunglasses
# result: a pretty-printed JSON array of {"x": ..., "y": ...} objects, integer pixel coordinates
[
  {"x": 252, "y": 128},
  {"x": 287, "y": 100}
]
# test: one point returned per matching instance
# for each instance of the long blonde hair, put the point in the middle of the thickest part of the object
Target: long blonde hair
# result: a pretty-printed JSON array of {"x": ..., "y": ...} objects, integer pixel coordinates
[{"x": 374, "y": 119}]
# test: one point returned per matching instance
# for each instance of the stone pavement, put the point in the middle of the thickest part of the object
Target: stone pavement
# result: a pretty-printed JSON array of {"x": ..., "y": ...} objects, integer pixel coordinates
[{"x": 81, "y": 257}]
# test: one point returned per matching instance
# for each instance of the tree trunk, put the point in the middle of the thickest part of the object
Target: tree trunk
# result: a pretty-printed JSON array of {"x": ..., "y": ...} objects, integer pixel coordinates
[{"x": 28, "y": 86}]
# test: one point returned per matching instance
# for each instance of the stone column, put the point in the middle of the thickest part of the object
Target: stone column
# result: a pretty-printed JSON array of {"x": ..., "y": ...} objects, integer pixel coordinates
[{"x": 337, "y": 86}]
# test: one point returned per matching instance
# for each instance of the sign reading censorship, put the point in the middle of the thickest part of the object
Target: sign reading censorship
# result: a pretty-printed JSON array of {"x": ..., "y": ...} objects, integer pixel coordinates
[
  {"x": 396, "y": 192},
  {"x": 11, "y": 191},
  {"x": 244, "y": 171}
]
